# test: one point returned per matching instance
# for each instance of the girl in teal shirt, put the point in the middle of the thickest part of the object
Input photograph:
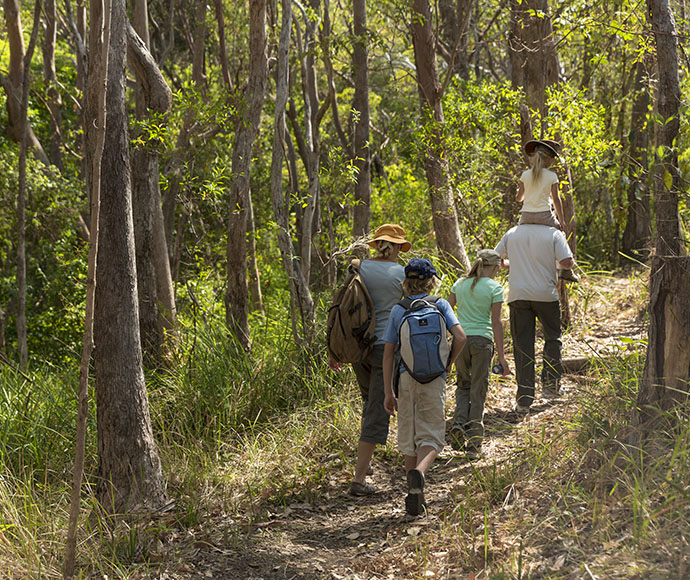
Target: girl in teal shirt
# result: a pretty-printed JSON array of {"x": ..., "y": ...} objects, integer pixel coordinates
[{"x": 478, "y": 298}]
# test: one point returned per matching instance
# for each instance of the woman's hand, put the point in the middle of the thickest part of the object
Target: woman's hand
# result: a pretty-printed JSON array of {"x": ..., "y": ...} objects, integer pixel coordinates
[{"x": 390, "y": 404}]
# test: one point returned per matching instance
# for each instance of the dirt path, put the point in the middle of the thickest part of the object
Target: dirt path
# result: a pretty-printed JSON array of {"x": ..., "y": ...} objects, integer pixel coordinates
[{"x": 359, "y": 538}]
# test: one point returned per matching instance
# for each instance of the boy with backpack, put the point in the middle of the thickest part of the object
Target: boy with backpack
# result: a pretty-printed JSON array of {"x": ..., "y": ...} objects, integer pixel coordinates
[{"x": 418, "y": 327}]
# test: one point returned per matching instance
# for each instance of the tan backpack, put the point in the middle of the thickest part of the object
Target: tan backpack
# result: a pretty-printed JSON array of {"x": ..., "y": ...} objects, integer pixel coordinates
[{"x": 351, "y": 319}]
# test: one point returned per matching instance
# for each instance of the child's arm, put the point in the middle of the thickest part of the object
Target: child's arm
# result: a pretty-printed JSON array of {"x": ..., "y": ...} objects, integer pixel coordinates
[
  {"x": 557, "y": 205},
  {"x": 459, "y": 340},
  {"x": 521, "y": 192},
  {"x": 390, "y": 403},
  {"x": 497, "y": 325}
]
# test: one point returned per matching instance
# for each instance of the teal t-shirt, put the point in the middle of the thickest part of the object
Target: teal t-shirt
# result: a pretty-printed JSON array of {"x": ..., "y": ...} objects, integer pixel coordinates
[{"x": 474, "y": 305}]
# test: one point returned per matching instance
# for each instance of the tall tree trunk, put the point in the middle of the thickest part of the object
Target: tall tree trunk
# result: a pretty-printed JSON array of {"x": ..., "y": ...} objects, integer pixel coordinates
[
  {"x": 301, "y": 302},
  {"x": 21, "y": 194},
  {"x": 13, "y": 82},
  {"x": 95, "y": 102},
  {"x": 638, "y": 227},
  {"x": 157, "y": 311},
  {"x": 444, "y": 215},
  {"x": 237, "y": 294},
  {"x": 50, "y": 78},
  {"x": 129, "y": 467},
  {"x": 665, "y": 382},
  {"x": 666, "y": 174},
  {"x": 360, "y": 104}
]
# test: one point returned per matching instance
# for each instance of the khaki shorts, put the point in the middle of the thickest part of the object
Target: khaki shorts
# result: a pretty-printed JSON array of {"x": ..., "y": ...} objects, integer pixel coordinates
[
  {"x": 544, "y": 218},
  {"x": 421, "y": 414}
]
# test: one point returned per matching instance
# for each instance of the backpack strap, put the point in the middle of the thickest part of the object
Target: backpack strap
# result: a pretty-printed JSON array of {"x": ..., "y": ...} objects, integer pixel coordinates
[
  {"x": 406, "y": 303},
  {"x": 354, "y": 265}
]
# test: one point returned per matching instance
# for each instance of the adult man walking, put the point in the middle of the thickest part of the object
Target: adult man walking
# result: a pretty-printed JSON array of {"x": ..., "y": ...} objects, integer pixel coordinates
[{"x": 531, "y": 252}]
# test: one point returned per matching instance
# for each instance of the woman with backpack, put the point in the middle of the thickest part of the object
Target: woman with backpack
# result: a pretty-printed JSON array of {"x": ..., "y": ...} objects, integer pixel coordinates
[{"x": 383, "y": 277}]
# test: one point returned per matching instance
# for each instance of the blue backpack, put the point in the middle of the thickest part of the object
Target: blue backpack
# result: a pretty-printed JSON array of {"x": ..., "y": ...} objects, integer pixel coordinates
[{"x": 423, "y": 339}]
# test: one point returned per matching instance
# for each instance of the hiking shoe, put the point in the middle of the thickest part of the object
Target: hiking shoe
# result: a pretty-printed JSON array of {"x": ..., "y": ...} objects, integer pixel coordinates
[
  {"x": 522, "y": 410},
  {"x": 457, "y": 439},
  {"x": 568, "y": 276},
  {"x": 414, "y": 502},
  {"x": 361, "y": 489}
]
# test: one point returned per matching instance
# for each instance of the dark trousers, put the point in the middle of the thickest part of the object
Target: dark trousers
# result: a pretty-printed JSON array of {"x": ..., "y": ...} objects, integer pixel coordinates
[
  {"x": 375, "y": 419},
  {"x": 523, "y": 317}
]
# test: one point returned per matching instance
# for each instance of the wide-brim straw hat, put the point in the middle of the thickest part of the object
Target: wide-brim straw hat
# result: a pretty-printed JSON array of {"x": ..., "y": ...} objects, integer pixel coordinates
[
  {"x": 553, "y": 147},
  {"x": 391, "y": 233}
]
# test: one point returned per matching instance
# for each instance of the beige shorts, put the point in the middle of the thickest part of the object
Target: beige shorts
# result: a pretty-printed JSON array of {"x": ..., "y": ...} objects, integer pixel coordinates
[{"x": 421, "y": 414}]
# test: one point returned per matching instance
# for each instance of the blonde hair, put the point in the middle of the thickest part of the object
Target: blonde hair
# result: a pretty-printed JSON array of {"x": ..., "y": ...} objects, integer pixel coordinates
[
  {"x": 414, "y": 286},
  {"x": 384, "y": 248},
  {"x": 541, "y": 158},
  {"x": 485, "y": 259}
]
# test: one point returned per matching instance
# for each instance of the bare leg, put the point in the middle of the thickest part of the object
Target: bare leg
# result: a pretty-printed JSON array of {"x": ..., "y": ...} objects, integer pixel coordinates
[{"x": 365, "y": 451}]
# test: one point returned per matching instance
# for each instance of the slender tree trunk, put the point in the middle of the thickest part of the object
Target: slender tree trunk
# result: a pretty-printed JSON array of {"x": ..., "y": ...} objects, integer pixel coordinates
[
  {"x": 13, "y": 82},
  {"x": 129, "y": 465},
  {"x": 21, "y": 195},
  {"x": 237, "y": 294},
  {"x": 256, "y": 298},
  {"x": 50, "y": 78},
  {"x": 95, "y": 98},
  {"x": 300, "y": 298},
  {"x": 175, "y": 235},
  {"x": 223, "y": 53},
  {"x": 360, "y": 104},
  {"x": 445, "y": 219},
  {"x": 638, "y": 227},
  {"x": 666, "y": 378},
  {"x": 154, "y": 280}
]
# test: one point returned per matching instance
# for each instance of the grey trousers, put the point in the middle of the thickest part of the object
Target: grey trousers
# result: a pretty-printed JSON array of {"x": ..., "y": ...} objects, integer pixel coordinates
[{"x": 523, "y": 317}]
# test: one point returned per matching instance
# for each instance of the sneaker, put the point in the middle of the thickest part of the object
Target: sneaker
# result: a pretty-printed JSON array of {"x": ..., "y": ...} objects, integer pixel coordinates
[
  {"x": 568, "y": 276},
  {"x": 361, "y": 489},
  {"x": 414, "y": 502},
  {"x": 457, "y": 439},
  {"x": 522, "y": 409}
]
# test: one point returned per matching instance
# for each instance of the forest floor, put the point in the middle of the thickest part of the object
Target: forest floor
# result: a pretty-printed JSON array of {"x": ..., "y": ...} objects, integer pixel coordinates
[{"x": 336, "y": 536}]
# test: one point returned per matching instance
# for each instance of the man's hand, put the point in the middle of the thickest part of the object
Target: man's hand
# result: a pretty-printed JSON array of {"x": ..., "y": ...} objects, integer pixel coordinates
[{"x": 333, "y": 364}]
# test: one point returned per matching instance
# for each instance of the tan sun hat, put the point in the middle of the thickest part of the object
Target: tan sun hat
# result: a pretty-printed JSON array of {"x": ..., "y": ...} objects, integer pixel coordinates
[{"x": 391, "y": 233}]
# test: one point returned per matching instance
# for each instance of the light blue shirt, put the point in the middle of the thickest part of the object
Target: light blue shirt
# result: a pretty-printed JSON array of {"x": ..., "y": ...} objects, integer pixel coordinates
[{"x": 384, "y": 282}]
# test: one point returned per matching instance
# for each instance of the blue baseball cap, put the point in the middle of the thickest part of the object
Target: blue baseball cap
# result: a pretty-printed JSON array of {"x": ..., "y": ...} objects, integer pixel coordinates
[{"x": 420, "y": 268}]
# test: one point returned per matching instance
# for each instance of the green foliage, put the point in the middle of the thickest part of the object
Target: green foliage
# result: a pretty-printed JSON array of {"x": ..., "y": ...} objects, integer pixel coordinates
[{"x": 56, "y": 258}]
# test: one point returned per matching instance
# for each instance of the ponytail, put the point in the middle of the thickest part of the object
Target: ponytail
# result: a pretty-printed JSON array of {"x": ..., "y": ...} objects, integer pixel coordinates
[
  {"x": 476, "y": 272},
  {"x": 540, "y": 159}
]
